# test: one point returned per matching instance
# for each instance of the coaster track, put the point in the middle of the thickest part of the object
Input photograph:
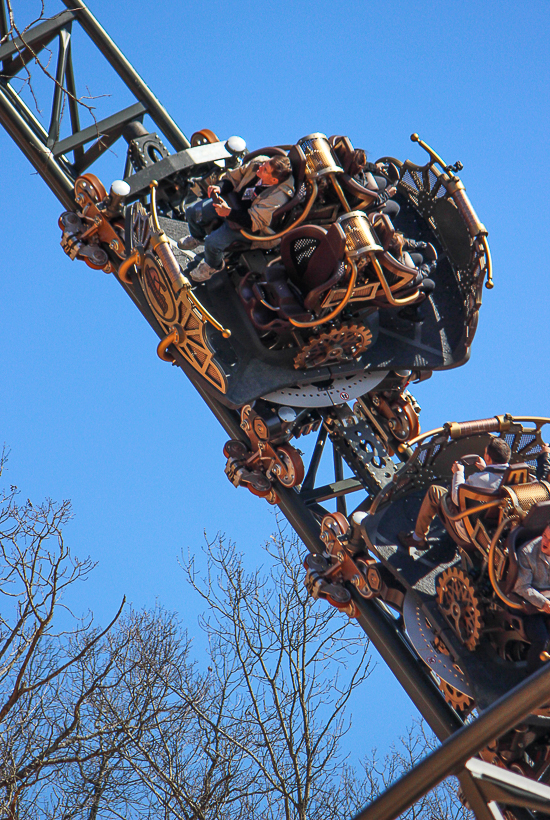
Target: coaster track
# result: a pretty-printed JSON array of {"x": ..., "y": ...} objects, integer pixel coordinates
[{"x": 365, "y": 438}]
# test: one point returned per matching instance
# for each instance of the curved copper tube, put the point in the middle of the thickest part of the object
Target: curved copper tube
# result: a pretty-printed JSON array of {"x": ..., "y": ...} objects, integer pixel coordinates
[
  {"x": 341, "y": 195},
  {"x": 303, "y": 215},
  {"x": 172, "y": 338},
  {"x": 425, "y": 435},
  {"x": 408, "y": 300},
  {"x": 125, "y": 266},
  {"x": 478, "y": 508},
  {"x": 489, "y": 284},
  {"x": 153, "y": 185},
  {"x": 226, "y": 333},
  {"x": 338, "y": 309},
  {"x": 491, "y": 568},
  {"x": 434, "y": 157}
]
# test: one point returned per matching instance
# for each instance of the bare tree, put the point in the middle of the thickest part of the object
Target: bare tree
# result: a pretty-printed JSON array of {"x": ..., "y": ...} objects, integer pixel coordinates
[
  {"x": 291, "y": 667},
  {"x": 120, "y": 723},
  {"x": 42, "y": 648},
  {"x": 43, "y": 58}
]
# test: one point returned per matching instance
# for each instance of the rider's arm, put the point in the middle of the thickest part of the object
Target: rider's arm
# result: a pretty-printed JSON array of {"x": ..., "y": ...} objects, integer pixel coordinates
[
  {"x": 524, "y": 584},
  {"x": 458, "y": 479},
  {"x": 226, "y": 186}
]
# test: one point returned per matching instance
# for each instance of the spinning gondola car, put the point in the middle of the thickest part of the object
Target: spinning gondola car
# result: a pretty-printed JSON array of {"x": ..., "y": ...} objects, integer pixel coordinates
[
  {"x": 322, "y": 317},
  {"x": 456, "y": 599}
]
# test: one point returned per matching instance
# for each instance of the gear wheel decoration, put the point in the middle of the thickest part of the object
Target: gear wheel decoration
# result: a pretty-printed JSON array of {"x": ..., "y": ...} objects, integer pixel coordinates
[
  {"x": 457, "y": 699},
  {"x": 336, "y": 345},
  {"x": 459, "y": 603}
]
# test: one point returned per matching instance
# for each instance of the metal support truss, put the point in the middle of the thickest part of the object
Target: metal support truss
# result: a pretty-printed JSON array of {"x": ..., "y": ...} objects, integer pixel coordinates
[
  {"x": 44, "y": 149},
  {"x": 381, "y": 628}
]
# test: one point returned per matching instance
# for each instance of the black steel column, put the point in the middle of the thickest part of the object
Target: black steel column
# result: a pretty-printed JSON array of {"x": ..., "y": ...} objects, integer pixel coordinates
[{"x": 36, "y": 151}]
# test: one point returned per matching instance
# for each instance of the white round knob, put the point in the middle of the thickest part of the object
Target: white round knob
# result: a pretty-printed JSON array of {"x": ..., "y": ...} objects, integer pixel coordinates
[
  {"x": 120, "y": 188},
  {"x": 236, "y": 145}
]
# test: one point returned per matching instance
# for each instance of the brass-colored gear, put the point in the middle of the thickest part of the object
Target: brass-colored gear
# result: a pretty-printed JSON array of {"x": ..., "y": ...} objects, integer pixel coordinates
[
  {"x": 459, "y": 602},
  {"x": 457, "y": 699},
  {"x": 338, "y": 344}
]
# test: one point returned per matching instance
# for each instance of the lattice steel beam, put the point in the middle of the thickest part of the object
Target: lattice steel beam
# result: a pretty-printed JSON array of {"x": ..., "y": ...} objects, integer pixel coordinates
[{"x": 44, "y": 149}]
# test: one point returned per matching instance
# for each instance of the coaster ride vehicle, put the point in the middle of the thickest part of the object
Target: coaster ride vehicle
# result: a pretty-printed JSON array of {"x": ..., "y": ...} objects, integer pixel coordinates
[{"x": 455, "y": 601}]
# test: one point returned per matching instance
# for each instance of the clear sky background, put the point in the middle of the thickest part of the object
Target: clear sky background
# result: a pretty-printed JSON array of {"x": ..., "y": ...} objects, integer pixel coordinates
[{"x": 89, "y": 411}]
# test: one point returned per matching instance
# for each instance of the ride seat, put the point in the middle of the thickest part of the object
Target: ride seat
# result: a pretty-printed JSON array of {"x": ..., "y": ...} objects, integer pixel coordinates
[
  {"x": 474, "y": 524},
  {"x": 384, "y": 228},
  {"x": 531, "y": 527},
  {"x": 298, "y": 172},
  {"x": 313, "y": 257},
  {"x": 521, "y": 497},
  {"x": 343, "y": 148},
  {"x": 270, "y": 301}
]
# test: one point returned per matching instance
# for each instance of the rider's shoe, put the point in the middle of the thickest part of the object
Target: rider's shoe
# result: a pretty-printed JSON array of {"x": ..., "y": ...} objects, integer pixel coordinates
[
  {"x": 188, "y": 243},
  {"x": 407, "y": 539},
  {"x": 203, "y": 272}
]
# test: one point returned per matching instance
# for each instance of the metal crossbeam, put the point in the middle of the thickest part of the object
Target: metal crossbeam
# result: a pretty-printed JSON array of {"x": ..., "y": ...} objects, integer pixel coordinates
[
  {"x": 99, "y": 130},
  {"x": 25, "y": 48},
  {"x": 509, "y": 788},
  {"x": 334, "y": 490},
  {"x": 43, "y": 147},
  {"x": 451, "y": 757}
]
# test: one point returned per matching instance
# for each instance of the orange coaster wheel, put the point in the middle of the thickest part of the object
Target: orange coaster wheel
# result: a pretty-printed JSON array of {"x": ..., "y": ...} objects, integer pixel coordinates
[{"x": 203, "y": 137}]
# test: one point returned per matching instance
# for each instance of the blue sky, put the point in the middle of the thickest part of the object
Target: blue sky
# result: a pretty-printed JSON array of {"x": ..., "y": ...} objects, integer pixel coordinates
[{"x": 89, "y": 411}]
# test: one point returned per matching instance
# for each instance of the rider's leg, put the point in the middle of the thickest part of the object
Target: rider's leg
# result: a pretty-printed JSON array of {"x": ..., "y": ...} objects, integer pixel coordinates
[
  {"x": 199, "y": 216},
  {"x": 217, "y": 242},
  {"x": 428, "y": 511}
]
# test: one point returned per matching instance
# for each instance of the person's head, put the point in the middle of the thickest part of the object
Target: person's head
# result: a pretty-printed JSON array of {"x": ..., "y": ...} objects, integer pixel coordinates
[
  {"x": 360, "y": 157},
  {"x": 545, "y": 541},
  {"x": 396, "y": 245},
  {"x": 275, "y": 170},
  {"x": 358, "y": 162},
  {"x": 497, "y": 452}
]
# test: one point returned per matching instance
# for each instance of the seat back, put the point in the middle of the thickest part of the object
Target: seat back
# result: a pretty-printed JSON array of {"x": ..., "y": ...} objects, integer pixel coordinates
[
  {"x": 312, "y": 255},
  {"x": 272, "y": 151},
  {"x": 533, "y": 525},
  {"x": 343, "y": 149},
  {"x": 516, "y": 474},
  {"x": 298, "y": 162},
  {"x": 384, "y": 228},
  {"x": 270, "y": 301},
  {"x": 476, "y": 523}
]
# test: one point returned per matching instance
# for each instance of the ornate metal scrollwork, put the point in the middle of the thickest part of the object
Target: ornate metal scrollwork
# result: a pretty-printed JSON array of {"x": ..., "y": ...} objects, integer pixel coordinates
[{"x": 164, "y": 287}]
